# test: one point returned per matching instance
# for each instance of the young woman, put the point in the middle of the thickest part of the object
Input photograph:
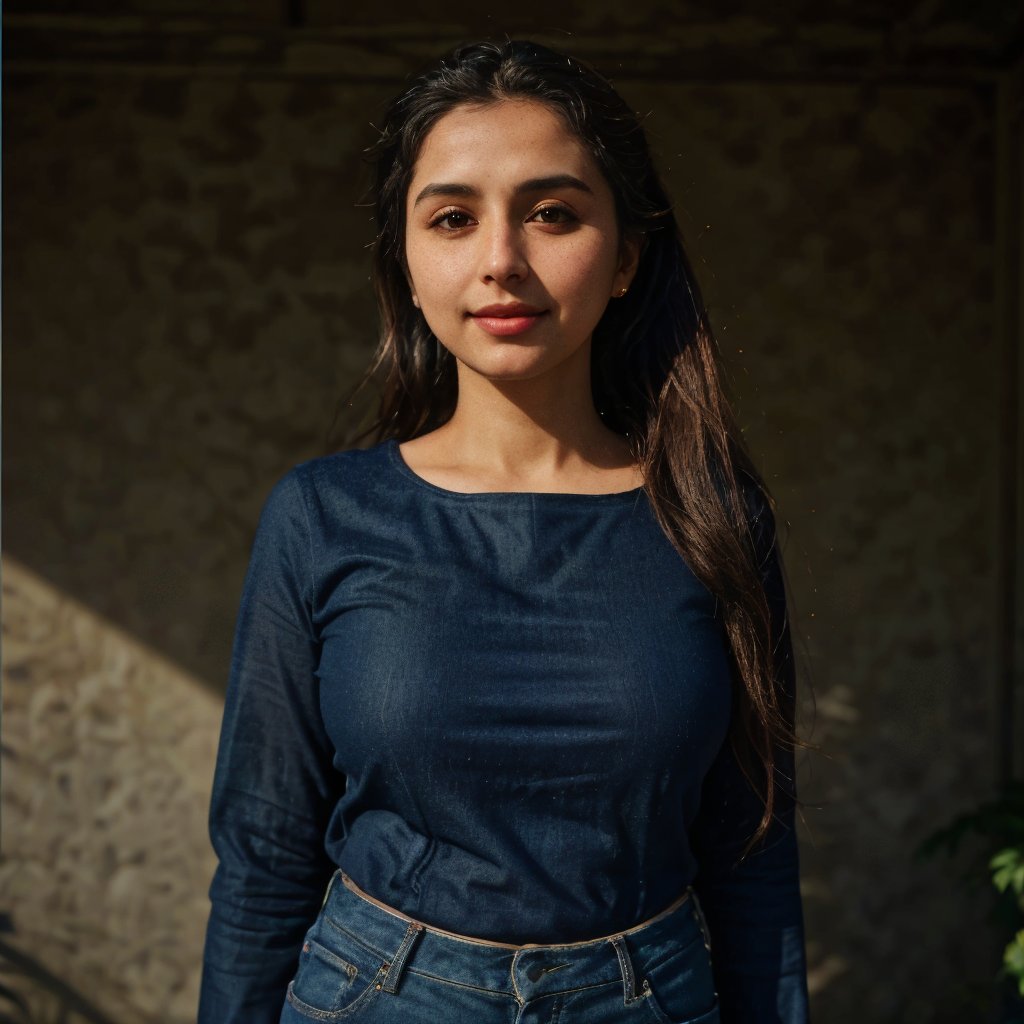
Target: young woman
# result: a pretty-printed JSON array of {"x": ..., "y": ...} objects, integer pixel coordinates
[{"x": 508, "y": 735}]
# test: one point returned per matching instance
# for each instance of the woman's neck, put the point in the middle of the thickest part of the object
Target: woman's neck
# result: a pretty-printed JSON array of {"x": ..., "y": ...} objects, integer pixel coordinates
[{"x": 541, "y": 434}]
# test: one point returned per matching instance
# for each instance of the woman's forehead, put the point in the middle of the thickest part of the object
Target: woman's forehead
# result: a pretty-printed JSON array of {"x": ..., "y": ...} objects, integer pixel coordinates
[{"x": 499, "y": 139}]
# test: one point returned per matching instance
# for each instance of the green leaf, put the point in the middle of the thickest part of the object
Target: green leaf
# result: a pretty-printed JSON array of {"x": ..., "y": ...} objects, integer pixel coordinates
[
  {"x": 1013, "y": 958},
  {"x": 1007, "y": 868},
  {"x": 1005, "y": 858}
]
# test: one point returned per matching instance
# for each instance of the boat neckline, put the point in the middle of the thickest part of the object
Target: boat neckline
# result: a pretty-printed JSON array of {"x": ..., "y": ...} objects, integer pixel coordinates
[{"x": 601, "y": 497}]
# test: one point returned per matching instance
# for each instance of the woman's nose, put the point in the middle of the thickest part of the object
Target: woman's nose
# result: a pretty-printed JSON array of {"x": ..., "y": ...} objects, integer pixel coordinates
[{"x": 504, "y": 254}]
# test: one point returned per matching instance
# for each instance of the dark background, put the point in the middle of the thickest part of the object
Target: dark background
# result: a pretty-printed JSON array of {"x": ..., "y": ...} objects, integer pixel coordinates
[{"x": 186, "y": 300}]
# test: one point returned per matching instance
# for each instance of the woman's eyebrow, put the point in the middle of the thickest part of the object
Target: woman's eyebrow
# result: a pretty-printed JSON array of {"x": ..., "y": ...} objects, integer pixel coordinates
[
  {"x": 554, "y": 181},
  {"x": 441, "y": 189},
  {"x": 530, "y": 185}
]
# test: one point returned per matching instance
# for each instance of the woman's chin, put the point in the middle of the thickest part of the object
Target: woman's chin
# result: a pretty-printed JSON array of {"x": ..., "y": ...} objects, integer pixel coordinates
[
  {"x": 508, "y": 371},
  {"x": 509, "y": 362}
]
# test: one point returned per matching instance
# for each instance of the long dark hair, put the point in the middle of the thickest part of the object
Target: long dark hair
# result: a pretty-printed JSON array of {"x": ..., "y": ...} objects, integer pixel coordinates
[{"x": 654, "y": 365}]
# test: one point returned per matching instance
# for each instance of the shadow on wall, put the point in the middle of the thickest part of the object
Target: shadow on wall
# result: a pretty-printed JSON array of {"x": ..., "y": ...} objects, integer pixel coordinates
[{"x": 108, "y": 756}]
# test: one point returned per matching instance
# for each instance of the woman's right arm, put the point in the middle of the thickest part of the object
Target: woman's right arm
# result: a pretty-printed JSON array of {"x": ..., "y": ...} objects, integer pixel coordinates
[
  {"x": 753, "y": 904},
  {"x": 274, "y": 786}
]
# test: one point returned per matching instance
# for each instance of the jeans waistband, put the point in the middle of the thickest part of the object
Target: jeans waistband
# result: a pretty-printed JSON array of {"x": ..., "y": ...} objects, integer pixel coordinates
[{"x": 522, "y": 971}]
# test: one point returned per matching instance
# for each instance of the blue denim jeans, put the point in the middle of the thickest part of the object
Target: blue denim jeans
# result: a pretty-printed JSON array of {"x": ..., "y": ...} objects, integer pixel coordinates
[{"x": 362, "y": 961}]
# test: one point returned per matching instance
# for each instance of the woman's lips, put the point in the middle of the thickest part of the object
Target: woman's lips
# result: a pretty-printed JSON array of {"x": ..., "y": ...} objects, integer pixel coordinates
[{"x": 506, "y": 321}]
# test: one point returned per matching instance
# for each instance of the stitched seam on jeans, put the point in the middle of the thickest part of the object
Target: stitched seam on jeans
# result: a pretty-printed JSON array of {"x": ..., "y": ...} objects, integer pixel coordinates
[
  {"x": 501, "y": 993},
  {"x": 512, "y": 974},
  {"x": 357, "y": 1004},
  {"x": 332, "y": 958},
  {"x": 579, "y": 988},
  {"x": 338, "y": 927}
]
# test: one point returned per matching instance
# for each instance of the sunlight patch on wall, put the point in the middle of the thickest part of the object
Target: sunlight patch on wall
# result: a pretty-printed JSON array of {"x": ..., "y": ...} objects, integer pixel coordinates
[{"x": 108, "y": 754}]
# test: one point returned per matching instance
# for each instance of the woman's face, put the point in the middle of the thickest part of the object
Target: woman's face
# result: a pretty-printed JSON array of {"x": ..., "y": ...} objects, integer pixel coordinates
[{"x": 512, "y": 243}]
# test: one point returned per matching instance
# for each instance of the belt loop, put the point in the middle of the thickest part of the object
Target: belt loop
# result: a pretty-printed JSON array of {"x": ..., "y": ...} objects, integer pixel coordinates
[
  {"x": 397, "y": 964},
  {"x": 626, "y": 967}
]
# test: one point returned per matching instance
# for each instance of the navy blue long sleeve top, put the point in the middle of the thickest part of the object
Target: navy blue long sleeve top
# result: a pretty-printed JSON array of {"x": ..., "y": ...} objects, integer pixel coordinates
[{"x": 503, "y": 714}]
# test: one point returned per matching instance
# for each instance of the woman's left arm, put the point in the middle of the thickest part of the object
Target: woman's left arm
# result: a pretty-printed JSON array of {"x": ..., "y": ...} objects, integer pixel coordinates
[
  {"x": 275, "y": 786},
  {"x": 753, "y": 906}
]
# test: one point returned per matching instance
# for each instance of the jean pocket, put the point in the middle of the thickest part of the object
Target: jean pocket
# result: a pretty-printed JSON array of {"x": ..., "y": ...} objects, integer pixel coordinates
[
  {"x": 710, "y": 1017},
  {"x": 680, "y": 988},
  {"x": 328, "y": 986}
]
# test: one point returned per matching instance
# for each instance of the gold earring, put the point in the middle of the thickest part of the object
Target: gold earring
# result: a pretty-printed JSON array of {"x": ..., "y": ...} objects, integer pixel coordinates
[{"x": 621, "y": 292}]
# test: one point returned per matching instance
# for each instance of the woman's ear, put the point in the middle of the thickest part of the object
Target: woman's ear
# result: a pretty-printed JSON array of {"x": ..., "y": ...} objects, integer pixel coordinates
[
  {"x": 629, "y": 260},
  {"x": 408, "y": 281},
  {"x": 412, "y": 290}
]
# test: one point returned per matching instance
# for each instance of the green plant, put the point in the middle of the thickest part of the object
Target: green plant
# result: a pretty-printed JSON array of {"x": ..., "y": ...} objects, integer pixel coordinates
[
  {"x": 997, "y": 861},
  {"x": 1007, "y": 868}
]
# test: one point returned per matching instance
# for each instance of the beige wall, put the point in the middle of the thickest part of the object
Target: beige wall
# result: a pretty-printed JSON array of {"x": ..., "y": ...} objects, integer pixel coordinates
[
  {"x": 186, "y": 298},
  {"x": 108, "y": 752}
]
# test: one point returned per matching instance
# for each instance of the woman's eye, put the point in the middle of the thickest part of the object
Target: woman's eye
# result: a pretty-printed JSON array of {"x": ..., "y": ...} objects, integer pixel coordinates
[
  {"x": 553, "y": 215},
  {"x": 450, "y": 220}
]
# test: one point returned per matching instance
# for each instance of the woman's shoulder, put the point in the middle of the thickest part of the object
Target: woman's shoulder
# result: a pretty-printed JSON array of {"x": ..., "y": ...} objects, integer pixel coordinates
[
  {"x": 345, "y": 471},
  {"x": 339, "y": 478},
  {"x": 350, "y": 466}
]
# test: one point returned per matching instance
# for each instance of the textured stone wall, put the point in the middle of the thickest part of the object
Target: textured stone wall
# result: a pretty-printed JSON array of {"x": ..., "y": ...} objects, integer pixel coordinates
[
  {"x": 830, "y": 224},
  {"x": 186, "y": 298},
  {"x": 108, "y": 753}
]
